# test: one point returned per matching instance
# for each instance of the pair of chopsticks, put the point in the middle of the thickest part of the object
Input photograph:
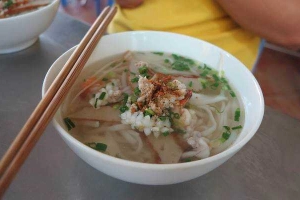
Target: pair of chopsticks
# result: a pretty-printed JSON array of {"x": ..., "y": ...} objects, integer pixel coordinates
[{"x": 47, "y": 107}]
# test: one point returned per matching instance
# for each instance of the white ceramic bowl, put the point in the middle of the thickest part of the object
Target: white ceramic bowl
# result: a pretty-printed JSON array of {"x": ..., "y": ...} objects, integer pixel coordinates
[
  {"x": 21, "y": 31},
  {"x": 159, "y": 174}
]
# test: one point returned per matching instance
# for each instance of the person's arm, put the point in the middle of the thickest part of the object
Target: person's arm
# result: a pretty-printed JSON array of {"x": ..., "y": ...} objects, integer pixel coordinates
[
  {"x": 277, "y": 21},
  {"x": 129, "y": 3}
]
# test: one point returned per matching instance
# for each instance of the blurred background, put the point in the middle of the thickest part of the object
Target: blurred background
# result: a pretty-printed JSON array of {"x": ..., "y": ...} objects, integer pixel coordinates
[{"x": 277, "y": 71}]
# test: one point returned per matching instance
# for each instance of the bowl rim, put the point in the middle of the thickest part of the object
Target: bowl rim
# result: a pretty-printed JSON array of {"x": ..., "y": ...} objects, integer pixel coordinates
[
  {"x": 30, "y": 13},
  {"x": 228, "y": 152}
]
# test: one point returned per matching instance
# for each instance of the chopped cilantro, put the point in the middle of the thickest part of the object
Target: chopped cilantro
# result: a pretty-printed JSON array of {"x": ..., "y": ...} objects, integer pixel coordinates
[
  {"x": 69, "y": 123},
  {"x": 180, "y": 66},
  {"x": 237, "y": 114},
  {"x": 163, "y": 118},
  {"x": 143, "y": 70},
  {"x": 226, "y": 135},
  {"x": 236, "y": 127},
  {"x": 166, "y": 133},
  {"x": 123, "y": 109},
  {"x": 135, "y": 80},
  {"x": 136, "y": 91},
  {"x": 158, "y": 53},
  {"x": 97, "y": 146},
  {"x": 149, "y": 112},
  {"x": 102, "y": 95}
]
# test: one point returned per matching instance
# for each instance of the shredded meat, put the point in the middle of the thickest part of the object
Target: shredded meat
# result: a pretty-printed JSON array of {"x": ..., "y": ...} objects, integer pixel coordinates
[{"x": 162, "y": 92}]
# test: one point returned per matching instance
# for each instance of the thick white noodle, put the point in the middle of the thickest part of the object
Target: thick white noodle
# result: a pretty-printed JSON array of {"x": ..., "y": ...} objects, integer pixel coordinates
[
  {"x": 119, "y": 127},
  {"x": 202, "y": 151},
  {"x": 211, "y": 129},
  {"x": 201, "y": 99},
  {"x": 138, "y": 139}
]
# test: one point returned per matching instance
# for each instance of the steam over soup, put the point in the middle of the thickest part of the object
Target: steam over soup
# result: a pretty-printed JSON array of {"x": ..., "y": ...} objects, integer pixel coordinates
[{"x": 153, "y": 107}]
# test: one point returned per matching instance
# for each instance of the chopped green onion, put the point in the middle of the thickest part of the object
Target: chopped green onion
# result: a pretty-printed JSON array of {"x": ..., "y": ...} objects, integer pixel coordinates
[
  {"x": 203, "y": 83},
  {"x": 226, "y": 135},
  {"x": 232, "y": 93},
  {"x": 226, "y": 87},
  {"x": 223, "y": 80},
  {"x": 149, "y": 112},
  {"x": 176, "y": 116},
  {"x": 97, "y": 146},
  {"x": 95, "y": 105},
  {"x": 237, "y": 115},
  {"x": 227, "y": 128},
  {"x": 143, "y": 70},
  {"x": 111, "y": 74},
  {"x": 133, "y": 98},
  {"x": 206, "y": 67},
  {"x": 101, "y": 146},
  {"x": 236, "y": 127},
  {"x": 133, "y": 73},
  {"x": 112, "y": 83},
  {"x": 125, "y": 98},
  {"x": 8, "y": 4},
  {"x": 180, "y": 66},
  {"x": 136, "y": 91},
  {"x": 176, "y": 57},
  {"x": 69, "y": 123},
  {"x": 125, "y": 70},
  {"x": 116, "y": 106},
  {"x": 163, "y": 118},
  {"x": 123, "y": 109},
  {"x": 102, "y": 95},
  {"x": 158, "y": 53},
  {"x": 187, "y": 160},
  {"x": 94, "y": 95},
  {"x": 204, "y": 73},
  {"x": 215, "y": 76},
  {"x": 166, "y": 133},
  {"x": 214, "y": 86},
  {"x": 191, "y": 84},
  {"x": 135, "y": 80},
  {"x": 167, "y": 61},
  {"x": 105, "y": 79}
]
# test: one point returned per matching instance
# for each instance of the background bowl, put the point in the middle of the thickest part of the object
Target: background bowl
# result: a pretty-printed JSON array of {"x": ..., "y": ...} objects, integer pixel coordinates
[
  {"x": 21, "y": 31},
  {"x": 159, "y": 174}
]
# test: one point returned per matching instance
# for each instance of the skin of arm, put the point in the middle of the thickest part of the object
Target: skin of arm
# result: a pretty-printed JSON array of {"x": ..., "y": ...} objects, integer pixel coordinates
[{"x": 275, "y": 20}]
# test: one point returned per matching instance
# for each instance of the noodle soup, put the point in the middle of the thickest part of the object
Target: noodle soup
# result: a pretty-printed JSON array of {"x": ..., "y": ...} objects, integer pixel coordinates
[
  {"x": 9, "y": 8},
  {"x": 153, "y": 107}
]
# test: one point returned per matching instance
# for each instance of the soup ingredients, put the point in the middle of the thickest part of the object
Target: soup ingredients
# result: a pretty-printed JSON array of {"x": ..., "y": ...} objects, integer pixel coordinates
[{"x": 154, "y": 107}]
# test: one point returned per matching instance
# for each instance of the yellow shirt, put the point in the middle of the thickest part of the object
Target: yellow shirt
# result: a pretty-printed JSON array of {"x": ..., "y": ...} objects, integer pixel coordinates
[{"x": 203, "y": 19}]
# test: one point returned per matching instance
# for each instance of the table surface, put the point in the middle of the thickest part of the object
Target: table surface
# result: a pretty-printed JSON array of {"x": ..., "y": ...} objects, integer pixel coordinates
[{"x": 268, "y": 167}]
